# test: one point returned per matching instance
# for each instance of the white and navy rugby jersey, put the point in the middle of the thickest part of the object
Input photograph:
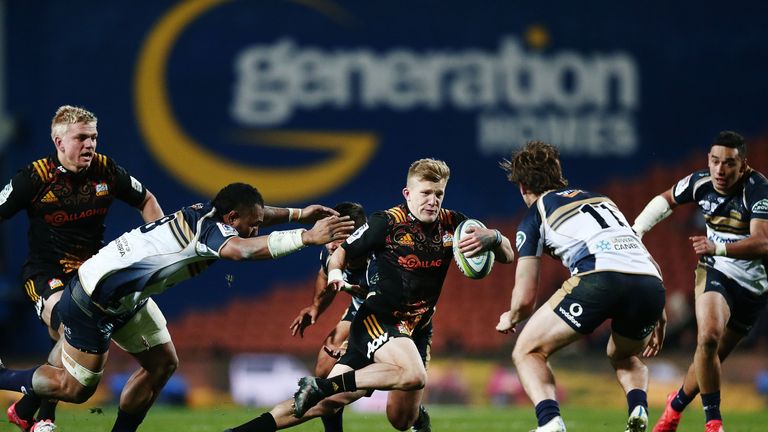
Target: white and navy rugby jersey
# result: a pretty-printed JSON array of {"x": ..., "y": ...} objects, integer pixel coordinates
[
  {"x": 586, "y": 231},
  {"x": 727, "y": 218},
  {"x": 153, "y": 257}
]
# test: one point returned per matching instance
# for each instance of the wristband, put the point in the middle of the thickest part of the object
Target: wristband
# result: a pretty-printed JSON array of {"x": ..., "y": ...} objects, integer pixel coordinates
[
  {"x": 290, "y": 214},
  {"x": 720, "y": 249},
  {"x": 498, "y": 239},
  {"x": 281, "y": 243},
  {"x": 335, "y": 274}
]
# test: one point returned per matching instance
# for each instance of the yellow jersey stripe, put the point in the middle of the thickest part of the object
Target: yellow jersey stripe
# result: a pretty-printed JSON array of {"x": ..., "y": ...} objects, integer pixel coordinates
[
  {"x": 568, "y": 208},
  {"x": 40, "y": 171}
]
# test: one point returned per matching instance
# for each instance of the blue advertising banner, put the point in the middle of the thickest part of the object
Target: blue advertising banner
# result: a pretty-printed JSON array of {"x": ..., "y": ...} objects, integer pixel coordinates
[{"x": 319, "y": 101}]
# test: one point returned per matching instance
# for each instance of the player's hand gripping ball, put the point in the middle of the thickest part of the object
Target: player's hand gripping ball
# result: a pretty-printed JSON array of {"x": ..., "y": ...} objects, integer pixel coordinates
[{"x": 478, "y": 266}]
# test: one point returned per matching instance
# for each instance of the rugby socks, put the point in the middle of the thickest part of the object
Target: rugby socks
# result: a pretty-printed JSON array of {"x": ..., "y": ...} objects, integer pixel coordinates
[
  {"x": 127, "y": 422},
  {"x": 16, "y": 380},
  {"x": 263, "y": 423},
  {"x": 333, "y": 422},
  {"x": 680, "y": 401},
  {"x": 340, "y": 383},
  {"x": 711, "y": 402},
  {"x": 546, "y": 410},
  {"x": 47, "y": 410},
  {"x": 637, "y": 397},
  {"x": 27, "y": 405}
]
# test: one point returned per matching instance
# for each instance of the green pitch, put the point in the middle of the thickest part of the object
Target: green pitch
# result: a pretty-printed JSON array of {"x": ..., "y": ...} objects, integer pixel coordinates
[{"x": 444, "y": 419}]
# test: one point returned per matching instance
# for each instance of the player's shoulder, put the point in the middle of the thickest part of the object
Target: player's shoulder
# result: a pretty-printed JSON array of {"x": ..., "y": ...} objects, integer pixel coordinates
[
  {"x": 41, "y": 170},
  {"x": 551, "y": 201},
  {"x": 755, "y": 180},
  {"x": 397, "y": 214}
]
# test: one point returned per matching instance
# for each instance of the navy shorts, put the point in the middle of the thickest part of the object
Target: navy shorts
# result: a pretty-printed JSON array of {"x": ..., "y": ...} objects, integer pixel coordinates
[
  {"x": 633, "y": 302},
  {"x": 86, "y": 327},
  {"x": 745, "y": 305}
]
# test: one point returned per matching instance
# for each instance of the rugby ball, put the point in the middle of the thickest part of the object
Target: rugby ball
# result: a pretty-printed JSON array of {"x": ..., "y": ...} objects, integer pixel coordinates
[{"x": 478, "y": 266}]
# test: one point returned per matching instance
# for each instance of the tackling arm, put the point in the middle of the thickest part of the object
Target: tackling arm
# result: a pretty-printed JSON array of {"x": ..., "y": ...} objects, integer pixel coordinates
[
  {"x": 310, "y": 213},
  {"x": 280, "y": 243}
]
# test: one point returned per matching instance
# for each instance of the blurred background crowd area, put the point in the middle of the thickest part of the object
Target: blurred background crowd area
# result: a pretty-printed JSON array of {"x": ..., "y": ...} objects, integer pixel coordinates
[{"x": 321, "y": 101}]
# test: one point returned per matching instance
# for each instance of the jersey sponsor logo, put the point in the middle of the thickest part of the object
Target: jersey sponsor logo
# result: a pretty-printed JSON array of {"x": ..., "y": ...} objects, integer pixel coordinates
[
  {"x": 59, "y": 218},
  {"x": 570, "y": 193},
  {"x": 405, "y": 239},
  {"x": 569, "y": 316},
  {"x": 413, "y": 262},
  {"x": 682, "y": 185},
  {"x": 6, "y": 192},
  {"x": 226, "y": 230},
  {"x": 49, "y": 198},
  {"x": 624, "y": 243},
  {"x": 760, "y": 206},
  {"x": 357, "y": 234},
  {"x": 136, "y": 185},
  {"x": 376, "y": 344},
  {"x": 603, "y": 246},
  {"x": 55, "y": 283},
  {"x": 520, "y": 238},
  {"x": 122, "y": 246},
  {"x": 102, "y": 189}
]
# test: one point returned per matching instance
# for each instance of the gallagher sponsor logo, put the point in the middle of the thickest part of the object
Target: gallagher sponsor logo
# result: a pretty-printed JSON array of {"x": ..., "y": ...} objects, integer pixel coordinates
[
  {"x": 61, "y": 217},
  {"x": 413, "y": 262}
]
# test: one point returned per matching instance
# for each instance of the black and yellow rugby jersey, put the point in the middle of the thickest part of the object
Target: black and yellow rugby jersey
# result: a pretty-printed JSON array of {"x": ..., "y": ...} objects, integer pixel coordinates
[
  {"x": 66, "y": 210},
  {"x": 412, "y": 258}
]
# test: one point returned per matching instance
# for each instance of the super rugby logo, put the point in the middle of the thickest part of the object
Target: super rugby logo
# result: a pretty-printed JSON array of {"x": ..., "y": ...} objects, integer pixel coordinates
[
  {"x": 760, "y": 206},
  {"x": 186, "y": 158}
]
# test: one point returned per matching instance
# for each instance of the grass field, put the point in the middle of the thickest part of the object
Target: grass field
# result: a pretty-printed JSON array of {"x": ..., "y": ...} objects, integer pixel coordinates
[{"x": 444, "y": 419}]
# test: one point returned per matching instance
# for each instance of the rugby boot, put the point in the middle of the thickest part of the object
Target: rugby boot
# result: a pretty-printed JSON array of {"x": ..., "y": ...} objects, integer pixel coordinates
[
  {"x": 638, "y": 420},
  {"x": 307, "y": 396},
  {"x": 14, "y": 418},
  {"x": 554, "y": 425},
  {"x": 43, "y": 426},
  {"x": 714, "y": 426},
  {"x": 669, "y": 418},
  {"x": 423, "y": 423}
]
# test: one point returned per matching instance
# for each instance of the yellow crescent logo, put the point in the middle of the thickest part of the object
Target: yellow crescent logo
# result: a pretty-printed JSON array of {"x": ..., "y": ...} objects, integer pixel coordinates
[{"x": 206, "y": 172}]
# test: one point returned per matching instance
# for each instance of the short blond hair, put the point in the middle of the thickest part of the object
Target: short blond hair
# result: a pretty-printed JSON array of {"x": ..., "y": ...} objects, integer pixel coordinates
[
  {"x": 429, "y": 169},
  {"x": 68, "y": 115}
]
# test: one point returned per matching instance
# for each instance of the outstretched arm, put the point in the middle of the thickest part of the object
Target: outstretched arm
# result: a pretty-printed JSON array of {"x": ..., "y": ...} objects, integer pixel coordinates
[
  {"x": 280, "y": 243},
  {"x": 523, "y": 302},
  {"x": 308, "y": 214},
  {"x": 654, "y": 212}
]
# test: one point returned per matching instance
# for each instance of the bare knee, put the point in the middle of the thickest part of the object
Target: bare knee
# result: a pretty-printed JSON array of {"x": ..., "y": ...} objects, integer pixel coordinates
[
  {"x": 414, "y": 379},
  {"x": 708, "y": 340},
  {"x": 519, "y": 355}
]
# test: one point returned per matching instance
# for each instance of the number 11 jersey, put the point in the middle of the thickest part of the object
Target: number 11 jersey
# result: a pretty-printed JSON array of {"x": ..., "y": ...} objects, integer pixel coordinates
[{"x": 584, "y": 230}]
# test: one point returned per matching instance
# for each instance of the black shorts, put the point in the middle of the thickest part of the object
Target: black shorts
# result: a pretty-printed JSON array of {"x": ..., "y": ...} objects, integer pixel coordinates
[
  {"x": 370, "y": 331},
  {"x": 633, "y": 302},
  {"x": 745, "y": 305},
  {"x": 42, "y": 286},
  {"x": 86, "y": 327}
]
